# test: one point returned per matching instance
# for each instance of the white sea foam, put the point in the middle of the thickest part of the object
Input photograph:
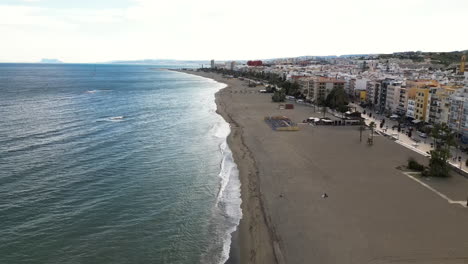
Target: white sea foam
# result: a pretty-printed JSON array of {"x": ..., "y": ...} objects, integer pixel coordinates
[
  {"x": 229, "y": 196},
  {"x": 116, "y": 118},
  {"x": 229, "y": 193},
  {"x": 98, "y": 90},
  {"x": 112, "y": 119},
  {"x": 221, "y": 130},
  {"x": 228, "y": 200}
]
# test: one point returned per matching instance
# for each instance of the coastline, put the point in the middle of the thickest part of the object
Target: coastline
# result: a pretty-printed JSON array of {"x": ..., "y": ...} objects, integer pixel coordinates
[
  {"x": 254, "y": 236},
  {"x": 252, "y": 241}
]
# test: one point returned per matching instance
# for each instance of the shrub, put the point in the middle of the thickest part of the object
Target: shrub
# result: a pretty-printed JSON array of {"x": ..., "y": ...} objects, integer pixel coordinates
[
  {"x": 278, "y": 96},
  {"x": 426, "y": 172},
  {"x": 414, "y": 165}
]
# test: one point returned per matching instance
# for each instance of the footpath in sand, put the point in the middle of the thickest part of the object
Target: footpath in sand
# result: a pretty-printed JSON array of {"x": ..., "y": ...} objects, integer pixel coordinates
[{"x": 374, "y": 212}]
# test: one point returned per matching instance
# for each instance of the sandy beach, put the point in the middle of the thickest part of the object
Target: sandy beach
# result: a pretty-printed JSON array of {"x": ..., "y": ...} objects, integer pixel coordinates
[{"x": 374, "y": 213}]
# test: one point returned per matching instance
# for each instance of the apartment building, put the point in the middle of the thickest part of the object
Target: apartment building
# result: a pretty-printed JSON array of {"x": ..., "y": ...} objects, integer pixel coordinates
[
  {"x": 317, "y": 89},
  {"x": 439, "y": 107},
  {"x": 373, "y": 93},
  {"x": 458, "y": 116},
  {"x": 411, "y": 107},
  {"x": 402, "y": 102},
  {"x": 394, "y": 100},
  {"x": 383, "y": 94},
  {"x": 422, "y": 104}
]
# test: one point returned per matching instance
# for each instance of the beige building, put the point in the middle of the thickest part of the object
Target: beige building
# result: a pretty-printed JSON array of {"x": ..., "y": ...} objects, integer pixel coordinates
[
  {"x": 395, "y": 100},
  {"x": 439, "y": 108},
  {"x": 318, "y": 88}
]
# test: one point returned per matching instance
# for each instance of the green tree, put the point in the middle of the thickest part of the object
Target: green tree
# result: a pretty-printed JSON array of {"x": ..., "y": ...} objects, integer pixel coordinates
[
  {"x": 337, "y": 98},
  {"x": 443, "y": 140},
  {"x": 278, "y": 96}
]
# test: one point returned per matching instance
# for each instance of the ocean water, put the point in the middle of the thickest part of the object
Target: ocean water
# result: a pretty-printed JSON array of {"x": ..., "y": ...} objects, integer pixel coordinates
[{"x": 113, "y": 164}]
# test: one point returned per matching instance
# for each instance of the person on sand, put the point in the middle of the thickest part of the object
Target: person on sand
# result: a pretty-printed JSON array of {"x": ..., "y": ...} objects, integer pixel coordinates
[{"x": 324, "y": 195}]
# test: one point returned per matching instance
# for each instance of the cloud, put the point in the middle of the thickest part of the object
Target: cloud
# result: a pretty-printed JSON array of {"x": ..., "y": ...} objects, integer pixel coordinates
[
  {"x": 244, "y": 29},
  {"x": 31, "y": 17}
]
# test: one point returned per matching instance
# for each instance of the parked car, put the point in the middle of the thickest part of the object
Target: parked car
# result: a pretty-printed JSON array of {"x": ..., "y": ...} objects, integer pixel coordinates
[{"x": 422, "y": 134}]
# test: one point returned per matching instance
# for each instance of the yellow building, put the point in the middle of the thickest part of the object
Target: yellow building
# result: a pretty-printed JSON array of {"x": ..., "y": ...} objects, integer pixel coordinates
[
  {"x": 411, "y": 92},
  {"x": 422, "y": 100},
  {"x": 363, "y": 96},
  {"x": 422, "y": 83}
]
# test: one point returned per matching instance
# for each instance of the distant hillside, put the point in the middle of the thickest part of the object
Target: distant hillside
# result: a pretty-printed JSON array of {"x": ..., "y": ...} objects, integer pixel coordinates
[
  {"x": 444, "y": 58},
  {"x": 50, "y": 61}
]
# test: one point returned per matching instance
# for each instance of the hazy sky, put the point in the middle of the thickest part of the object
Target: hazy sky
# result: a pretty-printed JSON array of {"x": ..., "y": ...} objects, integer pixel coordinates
[{"x": 104, "y": 30}]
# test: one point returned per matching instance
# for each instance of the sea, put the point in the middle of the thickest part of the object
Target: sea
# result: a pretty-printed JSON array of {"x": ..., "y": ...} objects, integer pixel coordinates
[{"x": 113, "y": 164}]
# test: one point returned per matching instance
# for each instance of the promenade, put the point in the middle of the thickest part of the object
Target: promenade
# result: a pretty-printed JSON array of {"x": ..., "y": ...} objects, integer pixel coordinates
[{"x": 415, "y": 143}]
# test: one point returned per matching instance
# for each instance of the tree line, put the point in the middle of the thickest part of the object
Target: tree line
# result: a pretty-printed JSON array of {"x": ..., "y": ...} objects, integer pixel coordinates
[{"x": 337, "y": 98}]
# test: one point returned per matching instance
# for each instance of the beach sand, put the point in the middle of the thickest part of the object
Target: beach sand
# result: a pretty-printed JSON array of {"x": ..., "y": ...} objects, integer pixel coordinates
[{"x": 373, "y": 214}]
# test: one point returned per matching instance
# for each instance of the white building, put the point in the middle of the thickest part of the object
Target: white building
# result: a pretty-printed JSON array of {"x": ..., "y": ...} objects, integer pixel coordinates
[
  {"x": 411, "y": 108},
  {"x": 393, "y": 97},
  {"x": 361, "y": 84},
  {"x": 372, "y": 92},
  {"x": 458, "y": 117}
]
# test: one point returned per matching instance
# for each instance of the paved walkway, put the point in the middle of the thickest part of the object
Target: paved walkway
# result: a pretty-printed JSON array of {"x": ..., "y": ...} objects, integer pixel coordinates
[
  {"x": 420, "y": 145},
  {"x": 415, "y": 143}
]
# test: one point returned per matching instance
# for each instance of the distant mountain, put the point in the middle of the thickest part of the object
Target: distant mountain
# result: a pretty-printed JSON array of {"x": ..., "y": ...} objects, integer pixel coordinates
[
  {"x": 51, "y": 61},
  {"x": 443, "y": 58},
  {"x": 162, "y": 62}
]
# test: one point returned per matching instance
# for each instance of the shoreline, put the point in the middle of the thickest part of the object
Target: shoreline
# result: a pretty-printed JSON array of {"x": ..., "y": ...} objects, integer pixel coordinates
[
  {"x": 254, "y": 215},
  {"x": 253, "y": 241}
]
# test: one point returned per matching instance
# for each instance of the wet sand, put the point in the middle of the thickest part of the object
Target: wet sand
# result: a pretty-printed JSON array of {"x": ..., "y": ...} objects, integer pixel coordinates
[{"x": 373, "y": 214}]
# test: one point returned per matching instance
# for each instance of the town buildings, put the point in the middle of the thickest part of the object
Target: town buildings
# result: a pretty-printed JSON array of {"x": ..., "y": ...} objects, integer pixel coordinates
[{"x": 416, "y": 91}]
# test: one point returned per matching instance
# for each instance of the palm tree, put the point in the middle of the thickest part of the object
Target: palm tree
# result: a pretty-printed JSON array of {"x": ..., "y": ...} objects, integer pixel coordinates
[
  {"x": 372, "y": 127},
  {"x": 361, "y": 128},
  {"x": 444, "y": 139}
]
